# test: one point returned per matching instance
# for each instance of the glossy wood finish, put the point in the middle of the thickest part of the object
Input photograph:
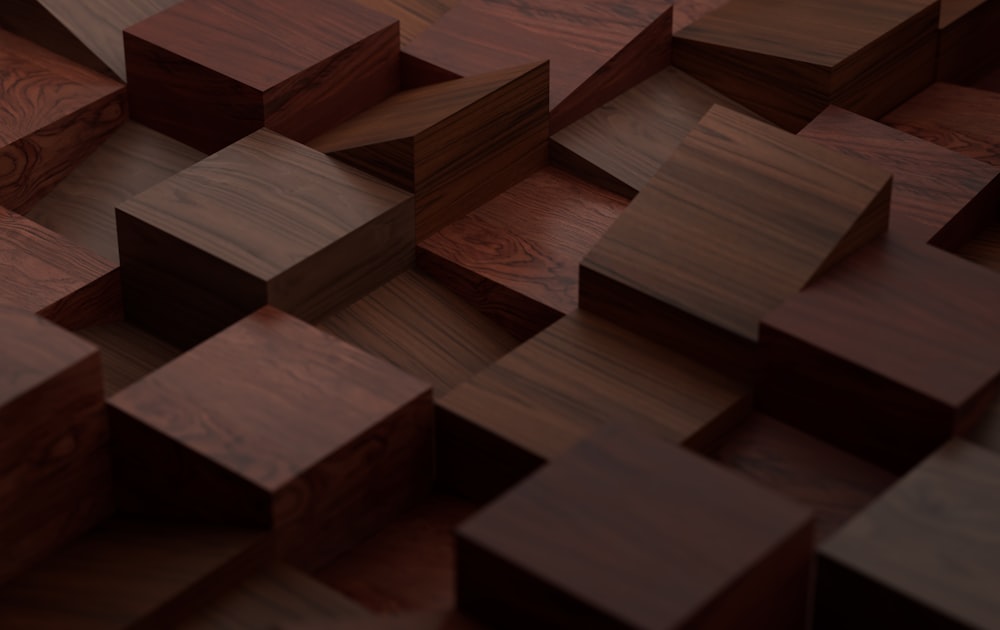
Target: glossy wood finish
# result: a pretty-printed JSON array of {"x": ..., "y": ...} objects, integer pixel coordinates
[
  {"x": 453, "y": 144},
  {"x": 579, "y": 374},
  {"x": 265, "y": 221},
  {"x": 53, "y": 113},
  {"x": 208, "y": 72},
  {"x": 967, "y": 40},
  {"x": 517, "y": 257},
  {"x": 740, "y": 218},
  {"x": 595, "y": 50},
  {"x": 789, "y": 60},
  {"x": 414, "y": 15},
  {"x": 127, "y": 353},
  {"x": 184, "y": 449},
  {"x": 628, "y": 532}
]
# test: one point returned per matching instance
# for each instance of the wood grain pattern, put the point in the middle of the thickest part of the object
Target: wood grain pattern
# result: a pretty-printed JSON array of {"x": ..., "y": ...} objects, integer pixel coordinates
[
  {"x": 927, "y": 551},
  {"x": 453, "y": 144},
  {"x": 127, "y": 353},
  {"x": 313, "y": 410},
  {"x": 741, "y": 217},
  {"x": 265, "y": 221},
  {"x": 208, "y": 72},
  {"x": 687, "y": 12},
  {"x": 967, "y": 39},
  {"x": 30, "y": 20},
  {"x": 787, "y": 61},
  {"x": 629, "y": 532},
  {"x": 579, "y": 374},
  {"x": 517, "y": 256}
]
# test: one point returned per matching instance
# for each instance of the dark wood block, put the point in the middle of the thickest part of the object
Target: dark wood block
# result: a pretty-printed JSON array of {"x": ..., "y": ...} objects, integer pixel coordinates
[
  {"x": 741, "y": 217},
  {"x": 265, "y": 221},
  {"x": 414, "y": 15},
  {"x": 453, "y": 144},
  {"x": 449, "y": 620},
  {"x": 789, "y": 60},
  {"x": 967, "y": 41},
  {"x": 208, "y": 73},
  {"x": 30, "y": 20},
  {"x": 274, "y": 423},
  {"x": 595, "y": 50},
  {"x": 938, "y": 196},
  {"x": 989, "y": 79},
  {"x": 629, "y": 532},
  {"x": 925, "y": 554},
  {"x": 55, "y": 469},
  {"x": 579, "y": 374},
  {"x": 54, "y": 114},
  {"x": 987, "y": 430},
  {"x": 687, "y": 12},
  {"x": 45, "y": 274},
  {"x": 984, "y": 247},
  {"x": 517, "y": 257},
  {"x": 127, "y": 353}
]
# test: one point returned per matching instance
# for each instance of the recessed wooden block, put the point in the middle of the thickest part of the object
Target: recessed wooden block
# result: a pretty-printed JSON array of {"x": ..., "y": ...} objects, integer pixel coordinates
[
  {"x": 579, "y": 374},
  {"x": 274, "y": 423},
  {"x": 741, "y": 217},
  {"x": 789, "y": 60},
  {"x": 629, "y": 532},
  {"x": 53, "y": 113},
  {"x": 926, "y": 554},
  {"x": 265, "y": 221},
  {"x": 596, "y": 50},
  {"x": 938, "y": 196},
  {"x": 967, "y": 39},
  {"x": 208, "y": 72},
  {"x": 453, "y": 144},
  {"x": 55, "y": 480}
]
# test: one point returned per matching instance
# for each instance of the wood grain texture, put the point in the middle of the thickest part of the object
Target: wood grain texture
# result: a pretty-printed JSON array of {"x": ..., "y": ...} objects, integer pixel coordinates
[
  {"x": 687, "y": 12},
  {"x": 576, "y": 376},
  {"x": 265, "y": 221},
  {"x": 629, "y": 532},
  {"x": 53, "y": 113},
  {"x": 962, "y": 119},
  {"x": 131, "y": 575},
  {"x": 926, "y": 552},
  {"x": 414, "y": 15},
  {"x": 127, "y": 353},
  {"x": 312, "y": 411},
  {"x": 517, "y": 257},
  {"x": 938, "y": 196},
  {"x": 454, "y": 144},
  {"x": 30, "y": 20},
  {"x": 208, "y": 72},
  {"x": 789, "y": 60},
  {"x": 423, "y": 328},
  {"x": 967, "y": 39},
  {"x": 596, "y": 50},
  {"x": 741, "y": 217}
]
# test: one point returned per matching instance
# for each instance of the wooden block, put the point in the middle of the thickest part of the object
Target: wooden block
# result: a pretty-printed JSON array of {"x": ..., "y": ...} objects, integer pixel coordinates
[
  {"x": 450, "y": 620},
  {"x": 984, "y": 247},
  {"x": 963, "y": 119},
  {"x": 988, "y": 80},
  {"x": 265, "y": 221},
  {"x": 45, "y": 274},
  {"x": 967, "y": 40},
  {"x": 55, "y": 470},
  {"x": 925, "y": 554},
  {"x": 453, "y": 144},
  {"x": 939, "y": 196},
  {"x": 629, "y": 532},
  {"x": 273, "y": 423},
  {"x": 987, "y": 430},
  {"x": 414, "y": 15},
  {"x": 127, "y": 353},
  {"x": 740, "y": 218},
  {"x": 131, "y": 575},
  {"x": 208, "y": 73},
  {"x": 789, "y": 60},
  {"x": 687, "y": 12},
  {"x": 30, "y": 20},
  {"x": 517, "y": 257},
  {"x": 54, "y": 114},
  {"x": 888, "y": 355},
  {"x": 581, "y": 373},
  {"x": 595, "y": 50}
]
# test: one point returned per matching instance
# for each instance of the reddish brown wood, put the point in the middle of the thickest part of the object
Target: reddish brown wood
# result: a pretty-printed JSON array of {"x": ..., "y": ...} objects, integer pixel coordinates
[
  {"x": 414, "y": 16},
  {"x": 967, "y": 41}
]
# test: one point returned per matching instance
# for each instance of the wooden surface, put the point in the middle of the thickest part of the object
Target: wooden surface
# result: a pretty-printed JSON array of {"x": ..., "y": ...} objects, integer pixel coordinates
[
  {"x": 987, "y": 431},
  {"x": 127, "y": 353},
  {"x": 414, "y": 15},
  {"x": 984, "y": 248},
  {"x": 967, "y": 39}
]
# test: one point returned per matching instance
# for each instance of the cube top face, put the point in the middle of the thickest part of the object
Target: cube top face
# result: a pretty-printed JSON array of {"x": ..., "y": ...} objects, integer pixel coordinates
[
  {"x": 264, "y": 204},
  {"x": 934, "y": 536},
  {"x": 260, "y": 43}
]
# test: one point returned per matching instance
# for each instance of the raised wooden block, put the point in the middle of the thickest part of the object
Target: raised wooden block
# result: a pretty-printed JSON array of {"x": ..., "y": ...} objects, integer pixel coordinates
[
  {"x": 265, "y": 221},
  {"x": 926, "y": 554},
  {"x": 938, "y": 196},
  {"x": 453, "y": 144},
  {"x": 595, "y": 50},
  {"x": 579, "y": 374},
  {"x": 55, "y": 113},
  {"x": 273, "y": 423},
  {"x": 414, "y": 15},
  {"x": 517, "y": 257},
  {"x": 741, "y": 217},
  {"x": 789, "y": 60},
  {"x": 207, "y": 72},
  {"x": 687, "y": 12},
  {"x": 967, "y": 41},
  {"x": 629, "y": 532},
  {"x": 55, "y": 476}
]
